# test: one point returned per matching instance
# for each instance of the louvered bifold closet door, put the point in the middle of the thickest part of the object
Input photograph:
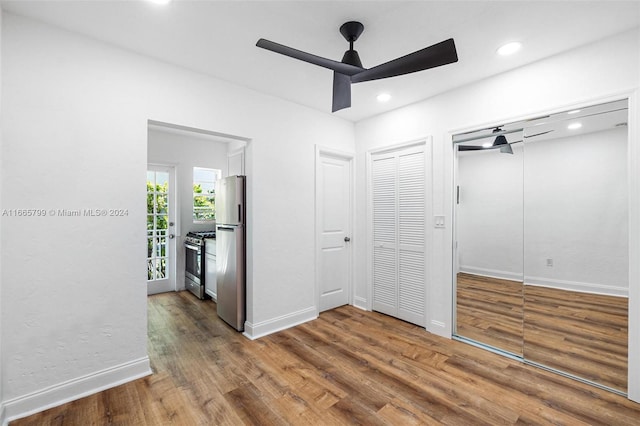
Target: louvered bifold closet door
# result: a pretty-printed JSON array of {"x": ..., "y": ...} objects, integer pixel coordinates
[
  {"x": 411, "y": 232},
  {"x": 385, "y": 263},
  {"x": 398, "y": 203}
]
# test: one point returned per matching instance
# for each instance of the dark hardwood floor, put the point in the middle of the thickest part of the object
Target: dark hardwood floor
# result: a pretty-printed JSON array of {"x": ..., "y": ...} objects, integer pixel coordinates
[{"x": 347, "y": 367}]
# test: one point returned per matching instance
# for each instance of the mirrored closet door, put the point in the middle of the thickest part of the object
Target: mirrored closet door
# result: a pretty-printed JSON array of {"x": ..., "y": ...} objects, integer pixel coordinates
[
  {"x": 489, "y": 222},
  {"x": 542, "y": 245}
]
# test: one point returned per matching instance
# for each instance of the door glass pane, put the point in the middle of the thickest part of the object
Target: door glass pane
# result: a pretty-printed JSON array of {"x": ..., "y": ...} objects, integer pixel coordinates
[{"x": 157, "y": 224}]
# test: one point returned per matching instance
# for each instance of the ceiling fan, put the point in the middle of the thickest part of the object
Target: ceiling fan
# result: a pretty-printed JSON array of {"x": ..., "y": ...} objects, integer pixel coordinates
[{"x": 350, "y": 69}]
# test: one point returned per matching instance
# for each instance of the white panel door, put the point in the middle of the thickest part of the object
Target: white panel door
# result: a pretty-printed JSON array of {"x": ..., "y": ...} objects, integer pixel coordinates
[
  {"x": 334, "y": 209},
  {"x": 398, "y": 200}
]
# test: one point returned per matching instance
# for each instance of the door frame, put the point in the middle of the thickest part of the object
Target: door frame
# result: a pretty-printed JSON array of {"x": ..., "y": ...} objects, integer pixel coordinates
[
  {"x": 173, "y": 207},
  {"x": 322, "y": 151}
]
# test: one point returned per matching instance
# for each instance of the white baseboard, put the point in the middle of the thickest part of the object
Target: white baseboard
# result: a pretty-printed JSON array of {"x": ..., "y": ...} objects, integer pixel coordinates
[
  {"x": 73, "y": 389},
  {"x": 580, "y": 287},
  {"x": 492, "y": 273},
  {"x": 439, "y": 328},
  {"x": 263, "y": 328},
  {"x": 361, "y": 303}
]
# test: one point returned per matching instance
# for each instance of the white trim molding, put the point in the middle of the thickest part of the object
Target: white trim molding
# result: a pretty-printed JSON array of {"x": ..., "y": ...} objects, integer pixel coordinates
[
  {"x": 264, "y": 328},
  {"x": 633, "y": 388},
  {"x": 74, "y": 389}
]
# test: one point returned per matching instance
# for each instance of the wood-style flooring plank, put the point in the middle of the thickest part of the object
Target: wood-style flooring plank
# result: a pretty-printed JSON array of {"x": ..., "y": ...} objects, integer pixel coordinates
[
  {"x": 347, "y": 367},
  {"x": 579, "y": 333}
]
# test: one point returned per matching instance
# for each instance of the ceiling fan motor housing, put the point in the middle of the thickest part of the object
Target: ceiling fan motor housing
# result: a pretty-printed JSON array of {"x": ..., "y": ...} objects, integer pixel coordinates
[{"x": 351, "y": 30}]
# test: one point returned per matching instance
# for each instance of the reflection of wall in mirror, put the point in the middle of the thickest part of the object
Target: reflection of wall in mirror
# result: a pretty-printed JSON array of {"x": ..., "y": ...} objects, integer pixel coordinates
[
  {"x": 489, "y": 213},
  {"x": 575, "y": 213}
]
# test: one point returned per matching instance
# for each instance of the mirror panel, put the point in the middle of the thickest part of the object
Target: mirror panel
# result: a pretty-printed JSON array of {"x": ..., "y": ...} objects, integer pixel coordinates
[
  {"x": 576, "y": 245},
  {"x": 541, "y": 259},
  {"x": 489, "y": 218}
]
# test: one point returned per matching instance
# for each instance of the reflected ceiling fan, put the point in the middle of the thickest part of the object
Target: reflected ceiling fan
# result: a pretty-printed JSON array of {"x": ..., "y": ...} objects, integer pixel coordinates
[
  {"x": 500, "y": 142},
  {"x": 350, "y": 69}
]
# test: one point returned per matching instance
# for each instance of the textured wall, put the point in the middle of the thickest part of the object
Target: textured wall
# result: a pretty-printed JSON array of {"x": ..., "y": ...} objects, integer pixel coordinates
[{"x": 74, "y": 297}]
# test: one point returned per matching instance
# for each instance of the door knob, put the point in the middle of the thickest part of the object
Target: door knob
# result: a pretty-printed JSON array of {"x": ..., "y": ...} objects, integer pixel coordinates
[
  {"x": 347, "y": 239},
  {"x": 171, "y": 236}
]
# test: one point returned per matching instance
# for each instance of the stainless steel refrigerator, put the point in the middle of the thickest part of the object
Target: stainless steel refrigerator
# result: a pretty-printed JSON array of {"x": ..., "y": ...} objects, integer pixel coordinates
[{"x": 230, "y": 250}]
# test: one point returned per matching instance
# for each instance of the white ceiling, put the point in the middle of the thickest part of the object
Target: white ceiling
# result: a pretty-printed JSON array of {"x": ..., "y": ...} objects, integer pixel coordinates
[{"x": 218, "y": 38}]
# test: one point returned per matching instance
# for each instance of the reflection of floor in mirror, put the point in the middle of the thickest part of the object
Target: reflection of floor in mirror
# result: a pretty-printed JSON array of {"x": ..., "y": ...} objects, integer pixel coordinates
[
  {"x": 489, "y": 310},
  {"x": 579, "y": 333}
]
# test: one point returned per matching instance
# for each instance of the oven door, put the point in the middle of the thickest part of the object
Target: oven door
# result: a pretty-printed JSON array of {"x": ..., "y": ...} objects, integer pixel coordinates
[{"x": 193, "y": 262}]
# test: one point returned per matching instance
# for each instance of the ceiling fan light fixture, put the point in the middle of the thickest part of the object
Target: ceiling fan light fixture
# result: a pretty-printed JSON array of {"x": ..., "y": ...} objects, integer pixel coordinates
[{"x": 509, "y": 48}]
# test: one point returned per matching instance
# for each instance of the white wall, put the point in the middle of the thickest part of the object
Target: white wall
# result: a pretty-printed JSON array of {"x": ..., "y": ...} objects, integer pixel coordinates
[
  {"x": 184, "y": 152},
  {"x": 489, "y": 216},
  {"x": 75, "y": 136},
  {"x": 576, "y": 213}
]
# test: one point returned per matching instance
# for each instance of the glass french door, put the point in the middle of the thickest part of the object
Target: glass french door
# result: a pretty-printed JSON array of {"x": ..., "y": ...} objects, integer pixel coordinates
[{"x": 161, "y": 276}]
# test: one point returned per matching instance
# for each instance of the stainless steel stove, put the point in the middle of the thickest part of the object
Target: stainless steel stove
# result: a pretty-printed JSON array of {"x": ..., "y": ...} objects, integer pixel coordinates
[{"x": 194, "y": 279}]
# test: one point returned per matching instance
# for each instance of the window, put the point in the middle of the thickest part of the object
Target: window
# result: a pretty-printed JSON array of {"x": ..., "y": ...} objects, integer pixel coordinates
[{"x": 204, "y": 194}]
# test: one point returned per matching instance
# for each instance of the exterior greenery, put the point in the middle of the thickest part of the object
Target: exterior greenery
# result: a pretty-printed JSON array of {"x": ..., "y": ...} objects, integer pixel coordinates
[
  {"x": 157, "y": 224},
  {"x": 204, "y": 204},
  {"x": 204, "y": 209}
]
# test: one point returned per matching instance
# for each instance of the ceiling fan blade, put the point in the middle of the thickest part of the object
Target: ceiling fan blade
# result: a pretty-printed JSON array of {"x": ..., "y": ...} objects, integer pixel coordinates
[
  {"x": 308, "y": 57},
  {"x": 442, "y": 53},
  {"x": 470, "y": 148},
  {"x": 341, "y": 91}
]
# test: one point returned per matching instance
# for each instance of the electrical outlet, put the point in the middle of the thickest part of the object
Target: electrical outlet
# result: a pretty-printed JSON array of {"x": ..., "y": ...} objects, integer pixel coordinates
[
  {"x": 550, "y": 263},
  {"x": 438, "y": 221}
]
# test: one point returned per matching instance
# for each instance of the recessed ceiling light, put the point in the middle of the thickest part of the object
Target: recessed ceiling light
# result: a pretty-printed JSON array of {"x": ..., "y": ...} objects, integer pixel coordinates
[
  {"x": 509, "y": 48},
  {"x": 575, "y": 111},
  {"x": 487, "y": 145},
  {"x": 574, "y": 126},
  {"x": 383, "y": 97}
]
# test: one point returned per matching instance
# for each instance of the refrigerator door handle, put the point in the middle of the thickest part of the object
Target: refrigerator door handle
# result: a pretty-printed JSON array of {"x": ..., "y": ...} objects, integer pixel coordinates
[
  {"x": 225, "y": 228},
  {"x": 240, "y": 213}
]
